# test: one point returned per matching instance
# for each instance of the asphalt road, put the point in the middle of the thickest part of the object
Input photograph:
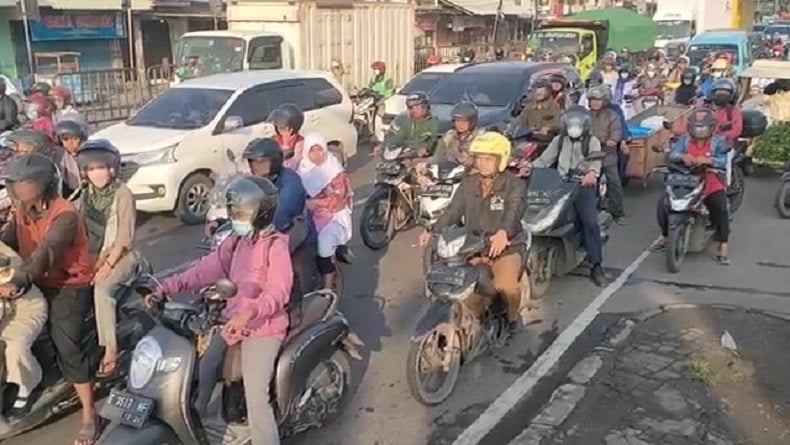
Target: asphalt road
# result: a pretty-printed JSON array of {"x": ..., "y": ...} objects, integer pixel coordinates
[{"x": 383, "y": 301}]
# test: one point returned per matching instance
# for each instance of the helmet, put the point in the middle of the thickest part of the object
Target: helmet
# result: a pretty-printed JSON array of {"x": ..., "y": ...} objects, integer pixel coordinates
[
  {"x": 465, "y": 111},
  {"x": 701, "y": 123},
  {"x": 265, "y": 148},
  {"x": 70, "y": 128},
  {"x": 492, "y": 143},
  {"x": 724, "y": 85},
  {"x": 684, "y": 59},
  {"x": 38, "y": 106},
  {"x": 99, "y": 151},
  {"x": 596, "y": 78},
  {"x": 255, "y": 196},
  {"x": 380, "y": 66},
  {"x": 63, "y": 93},
  {"x": 499, "y": 53},
  {"x": 417, "y": 98},
  {"x": 37, "y": 140},
  {"x": 625, "y": 68},
  {"x": 576, "y": 122},
  {"x": 40, "y": 87},
  {"x": 558, "y": 78},
  {"x": 600, "y": 92},
  {"x": 32, "y": 167},
  {"x": 287, "y": 115},
  {"x": 689, "y": 76}
]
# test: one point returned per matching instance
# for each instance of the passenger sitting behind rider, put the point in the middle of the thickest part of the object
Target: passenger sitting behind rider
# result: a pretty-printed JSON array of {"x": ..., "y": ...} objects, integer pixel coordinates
[
  {"x": 568, "y": 150},
  {"x": 420, "y": 132},
  {"x": 288, "y": 120},
  {"x": 329, "y": 190},
  {"x": 702, "y": 148},
  {"x": 491, "y": 200},
  {"x": 541, "y": 113},
  {"x": 729, "y": 119},
  {"x": 257, "y": 314},
  {"x": 454, "y": 146}
]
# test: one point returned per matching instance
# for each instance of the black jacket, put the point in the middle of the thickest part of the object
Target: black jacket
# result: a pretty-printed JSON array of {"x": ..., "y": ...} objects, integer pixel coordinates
[
  {"x": 502, "y": 211},
  {"x": 9, "y": 114}
]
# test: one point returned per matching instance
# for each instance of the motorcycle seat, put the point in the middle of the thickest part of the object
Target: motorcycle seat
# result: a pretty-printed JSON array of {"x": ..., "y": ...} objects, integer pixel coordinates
[{"x": 312, "y": 309}]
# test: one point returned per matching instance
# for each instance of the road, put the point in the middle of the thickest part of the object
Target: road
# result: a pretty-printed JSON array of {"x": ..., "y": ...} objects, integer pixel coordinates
[{"x": 383, "y": 301}]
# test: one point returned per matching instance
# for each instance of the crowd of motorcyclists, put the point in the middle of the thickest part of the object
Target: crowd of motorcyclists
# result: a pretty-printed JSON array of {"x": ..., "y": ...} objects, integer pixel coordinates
[{"x": 71, "y": 219}]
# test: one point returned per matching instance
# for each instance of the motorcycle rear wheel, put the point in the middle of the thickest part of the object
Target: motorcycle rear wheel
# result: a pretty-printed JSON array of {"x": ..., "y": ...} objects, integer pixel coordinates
[
  {"x": 368, "y": 222},
  {"x": 737, "y": 189},
  {"x": 414, "y": 374},
  {"x": 677, "y": 248},
  {"x": 782, "y": 200},
  {"x": 540, "y": 273}
]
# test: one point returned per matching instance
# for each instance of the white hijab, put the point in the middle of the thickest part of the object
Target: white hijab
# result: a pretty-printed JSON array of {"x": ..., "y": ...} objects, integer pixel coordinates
[{"x": 316, "y": 177}]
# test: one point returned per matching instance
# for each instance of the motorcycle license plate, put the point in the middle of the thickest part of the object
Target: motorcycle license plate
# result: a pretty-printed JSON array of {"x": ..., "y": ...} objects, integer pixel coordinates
[
  {"x": 129, "y": 409},
  {"x": 438, "y": 191},
  {"x": 446, "y": 275}
]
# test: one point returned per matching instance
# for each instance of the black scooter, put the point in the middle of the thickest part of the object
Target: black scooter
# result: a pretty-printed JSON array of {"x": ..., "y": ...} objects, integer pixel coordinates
[
  {"x": 557, "y": 247},
  {"x": 311, "y": 382},
  {"x": 54, "y": 395}
]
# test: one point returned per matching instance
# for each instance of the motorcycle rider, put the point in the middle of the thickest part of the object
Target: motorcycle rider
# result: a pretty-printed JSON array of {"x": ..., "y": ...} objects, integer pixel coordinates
[
  {"x": 454, "y": 145},
  {"x": 53, "y": 243},
  {"x": 64, "y": 108},
  {"x": 681, "y": 67},
  {"x": 288, "y": 120},
  {"x": 491, "y": 199},
  {"x": 499, "y": 54},
  {"x": 379, "y": 82},
  {"x": 541, "y": 113},
  {"x": 608, "y": 71},
  {"x": 421, "y": 131},
  {"x": 729, "y": 119},
  {"x": 108, "y": 208},
  {"x": 575, "y": 142},
  {"x": 625, "y": 56},
  {"x": 39, "y": 113},
  {"x": 71, "y": 135},
  {"x": 558, "y": 86},
  {"x": 720, "y": 69},
  {"x": 41, "y": 88},
  {"x": 257, "y": 315},
  {"x": 701, "y": 147},
  {"x": 9, "y": 114},
  {"x": 624, "y": 89},
  {"x": 330, "y": 202},
  {"x": 606, "y": 125},
  {"x": 686, "y": 93}
]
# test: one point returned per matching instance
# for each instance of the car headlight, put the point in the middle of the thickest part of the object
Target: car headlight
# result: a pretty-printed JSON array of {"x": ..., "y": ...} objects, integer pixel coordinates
[
  {"x": 145, "y": 359},
  {"x": 390, "y": 154},
  {"x": 449, "y": 249},
  {"x": 162, "y": 156}
]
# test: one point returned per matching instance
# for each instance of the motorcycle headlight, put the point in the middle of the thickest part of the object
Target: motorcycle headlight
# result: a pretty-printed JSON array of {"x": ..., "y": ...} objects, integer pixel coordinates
[
  {"x": 684, "y": 202},
  {"x": 145, "y": 359},
  {"x": 449, "y": 249},
  {"x": 390, "y": 154},
  {"x": 162, "y": 156}
]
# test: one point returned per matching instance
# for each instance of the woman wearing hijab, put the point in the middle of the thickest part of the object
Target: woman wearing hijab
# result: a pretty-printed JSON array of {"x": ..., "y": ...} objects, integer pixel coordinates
[
  {"x": 329, "y": 199},
  {"x": 109, "y": 211}
]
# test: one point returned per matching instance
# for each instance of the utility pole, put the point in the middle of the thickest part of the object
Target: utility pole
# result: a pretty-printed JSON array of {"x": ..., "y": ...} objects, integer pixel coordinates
[
  {"x": 28, "y": 45},
  {"x": 499, "y": 16}
]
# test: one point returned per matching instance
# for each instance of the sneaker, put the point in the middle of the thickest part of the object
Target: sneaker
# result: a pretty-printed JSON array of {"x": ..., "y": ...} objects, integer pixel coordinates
[{"x": 598, "y": 276}]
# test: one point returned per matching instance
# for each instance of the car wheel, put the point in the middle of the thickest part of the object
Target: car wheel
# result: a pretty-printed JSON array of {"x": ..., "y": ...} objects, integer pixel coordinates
[{"x": 192, "y": 204}]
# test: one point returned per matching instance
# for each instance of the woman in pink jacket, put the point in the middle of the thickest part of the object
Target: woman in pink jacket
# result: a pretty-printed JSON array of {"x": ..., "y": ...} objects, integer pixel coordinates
[{"x": 256, "y": 258}]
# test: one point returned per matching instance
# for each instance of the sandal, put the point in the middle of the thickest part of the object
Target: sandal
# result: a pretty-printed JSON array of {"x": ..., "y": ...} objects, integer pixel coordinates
[
  {"x": 722, "y": 260},
  {"x": 87, "y": 434},
  {"x": 107, "y": 368},
  {"x": 659, "y": 246}
]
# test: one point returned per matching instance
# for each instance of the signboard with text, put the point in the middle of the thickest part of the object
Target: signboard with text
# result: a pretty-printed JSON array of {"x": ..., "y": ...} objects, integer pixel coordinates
[{"x": 77, "y": 27}]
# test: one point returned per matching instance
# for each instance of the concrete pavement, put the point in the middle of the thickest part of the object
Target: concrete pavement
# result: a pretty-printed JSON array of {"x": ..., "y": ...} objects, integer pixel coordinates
[{"x": 383, "y": 301}]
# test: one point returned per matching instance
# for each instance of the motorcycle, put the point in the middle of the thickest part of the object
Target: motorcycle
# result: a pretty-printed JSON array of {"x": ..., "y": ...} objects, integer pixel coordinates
[
  {"x": 311, "y": 383},
  {"x": 466, "y": 316},
  {"x": 393, "y": 205},
  {"x": 649, "y": 98},
  {"x": 528, "y": 145},
  {"x": 557, "y": 247},
  {"x": 366, "y": 103},
  {"x": 435, "y": 197},
  {"x": 55, "y": 396},
  {"x": 782, "y": 199}
]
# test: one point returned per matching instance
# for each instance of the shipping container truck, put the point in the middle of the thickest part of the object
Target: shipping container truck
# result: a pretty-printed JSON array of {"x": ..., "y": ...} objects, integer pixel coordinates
[
  {"x": 342, "y": 37},
  {"x": 676, "y": 21}
]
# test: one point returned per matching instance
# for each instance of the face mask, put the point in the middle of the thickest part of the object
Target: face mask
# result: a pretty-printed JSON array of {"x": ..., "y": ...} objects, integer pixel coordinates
[
  {"x": 717, "y": 74},
  {"x": 241, "y": 228},
  {"x": 624, "y": 76},
  {"x": 575, "y": 132},
  {"x": 720, "y": 100},
  {"x": 686, "y": 82},
  {"x": 651, "y": 74},
  {"x": 376, "y": 72}
]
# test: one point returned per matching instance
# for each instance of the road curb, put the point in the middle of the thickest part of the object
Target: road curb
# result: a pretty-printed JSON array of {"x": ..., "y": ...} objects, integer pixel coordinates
[{"x": 571, "y": 391}]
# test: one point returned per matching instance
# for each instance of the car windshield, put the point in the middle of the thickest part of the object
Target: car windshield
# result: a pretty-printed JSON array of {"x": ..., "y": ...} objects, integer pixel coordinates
[
  {"x": 485, "y": 90},
  {"x": 200, "y": 56},
  {"x": 672, "y": 29},
  {"x": 181, "y": 108},
  {"x": 424, "y": 82},
  {"x": 558, "y": 41},
  {"x": 782, "y": 30},
  {"x": 698, "y": 53}
]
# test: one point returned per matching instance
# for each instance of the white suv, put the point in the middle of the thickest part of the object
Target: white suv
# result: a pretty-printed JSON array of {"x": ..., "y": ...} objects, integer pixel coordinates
[{"x": 175, "y": 144}]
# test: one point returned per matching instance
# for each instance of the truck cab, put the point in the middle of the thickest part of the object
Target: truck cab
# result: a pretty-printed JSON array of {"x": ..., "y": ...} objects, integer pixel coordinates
[
  {"x": 212, "y": 52},
  {"x": 582, "y": 44}
]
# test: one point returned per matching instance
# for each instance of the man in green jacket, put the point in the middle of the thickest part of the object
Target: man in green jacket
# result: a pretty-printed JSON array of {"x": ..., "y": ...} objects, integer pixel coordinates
[
  {"x": 379, "y": 83},
  {"x": 421, "y": 129}
]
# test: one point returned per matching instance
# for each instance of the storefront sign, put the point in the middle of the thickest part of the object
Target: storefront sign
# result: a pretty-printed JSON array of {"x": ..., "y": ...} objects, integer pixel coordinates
[{"x": 77, "y": 27}]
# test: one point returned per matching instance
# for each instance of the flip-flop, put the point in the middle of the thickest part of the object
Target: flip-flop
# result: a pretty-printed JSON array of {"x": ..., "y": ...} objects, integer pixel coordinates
[
  {"x": 103, "y": 372},
  {"x": 722, "y": 260},
  {"x": 658, "y": 246},
  {"x": 87, "y": 434}
]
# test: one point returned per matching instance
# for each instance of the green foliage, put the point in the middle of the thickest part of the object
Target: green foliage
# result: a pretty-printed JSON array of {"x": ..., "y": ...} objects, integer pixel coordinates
[{"x": 773, "y": 147}]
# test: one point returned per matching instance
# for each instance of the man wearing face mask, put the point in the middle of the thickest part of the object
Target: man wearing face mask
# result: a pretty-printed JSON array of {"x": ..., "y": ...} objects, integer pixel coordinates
[
  {"x": 686, "y": 93},
  {"x": 574, "y": 143},
  {"x": 720, "y": 69},
  {"x": 729, "y": 119},
  {"x": 607, "y": 127},
  {"x": 379, "y": 82},
  {"x": 9, "y": 114}
]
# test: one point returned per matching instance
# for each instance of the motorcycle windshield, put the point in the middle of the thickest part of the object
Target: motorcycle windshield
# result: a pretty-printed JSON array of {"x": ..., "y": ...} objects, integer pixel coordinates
[{"x": 546, "y": 188}]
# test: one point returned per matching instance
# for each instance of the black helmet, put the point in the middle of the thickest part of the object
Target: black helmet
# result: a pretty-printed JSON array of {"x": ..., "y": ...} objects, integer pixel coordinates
[
  {"x": 576, "y": 122},
  {"x": 36, "y": 139},
  {"x": 596, "y": 78},
  {"x": 725, "y": 85},
  {"x": 625, "y": 68},
  {"x": 465, "y": 111},
  {"x": 258, "y": 196},
  {"x": 499, "y": 53},
  {"x": 558, "y": 78},
  {"x": 265, "y": 148},
  {"x": 287, "y": 115},
  {"x": 41, "y": 87},
  {"x": 701, "y": 123},
  {"x": 417, "y": 98},
  {"x": 99, "y": 151},
  {"x": 33, "y": 167},
  {"x": 689, "y": 75},
  {"x": 70, "y": 128}
]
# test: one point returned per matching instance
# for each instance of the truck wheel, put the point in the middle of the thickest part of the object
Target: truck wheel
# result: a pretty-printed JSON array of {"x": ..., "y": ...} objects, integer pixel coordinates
[{"x": 192, "y": 204}]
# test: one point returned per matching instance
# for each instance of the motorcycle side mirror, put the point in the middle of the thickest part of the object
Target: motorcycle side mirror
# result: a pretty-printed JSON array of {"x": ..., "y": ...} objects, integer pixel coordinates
[
  {"x": 225, "y": 289},
  {"x": 231, "y": 156}
]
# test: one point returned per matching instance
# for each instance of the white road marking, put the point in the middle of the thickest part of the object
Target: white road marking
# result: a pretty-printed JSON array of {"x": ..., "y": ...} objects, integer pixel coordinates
[{"x": 545, "y": 363}]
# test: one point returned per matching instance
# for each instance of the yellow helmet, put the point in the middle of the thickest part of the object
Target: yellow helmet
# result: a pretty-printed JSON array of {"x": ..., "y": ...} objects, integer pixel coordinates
[
  {"x": 720, "y": 64},
  {"x": 492, "y": 143}
]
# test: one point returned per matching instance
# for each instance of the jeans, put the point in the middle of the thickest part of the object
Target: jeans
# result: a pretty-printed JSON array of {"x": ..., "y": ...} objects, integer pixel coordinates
[
  {"x": 614, "y": 184},
  {"x": 586, "y": 206},
  {"x": 717, "y": 205}
]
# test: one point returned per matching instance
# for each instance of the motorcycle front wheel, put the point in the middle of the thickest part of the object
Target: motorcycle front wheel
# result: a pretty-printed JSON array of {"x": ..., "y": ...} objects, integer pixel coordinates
[
  {"x": 429, "y": 382},
  {"x": 782, "y": 200},
  {"x": 541, "y": 270},
  {"x": 737, "y": 189},
  {"x": 677, "y": 247},
  {"x": 377, "y": 223}
]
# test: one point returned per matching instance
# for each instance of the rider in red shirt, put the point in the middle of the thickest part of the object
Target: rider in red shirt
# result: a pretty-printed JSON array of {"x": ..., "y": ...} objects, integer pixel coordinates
[
  {"x": 729, "y": 119},
  {"x": 288, "y": 120}
]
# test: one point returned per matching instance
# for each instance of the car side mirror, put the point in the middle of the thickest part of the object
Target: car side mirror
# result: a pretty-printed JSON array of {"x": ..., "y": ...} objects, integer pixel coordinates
[
  {"x": 232, "y": 123},
  {"x": 231, "y": 156}
]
